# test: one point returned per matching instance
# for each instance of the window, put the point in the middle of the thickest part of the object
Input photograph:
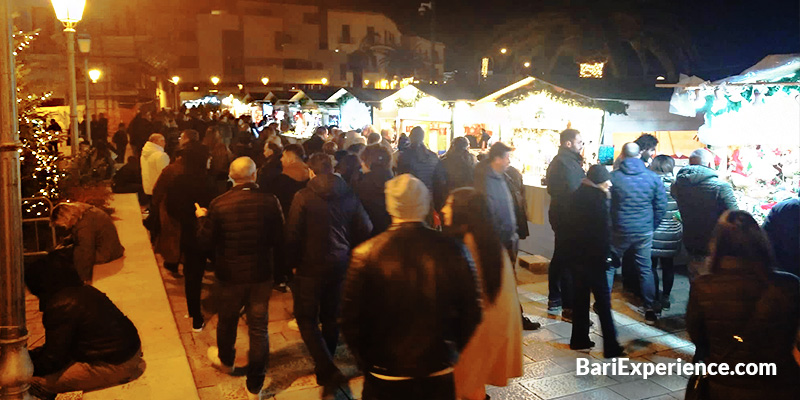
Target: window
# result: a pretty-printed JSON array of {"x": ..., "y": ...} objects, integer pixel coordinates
[
  {"x": 311, "y": 18},
  {"x": 188, "y": 62},
  {"x": 343, "y": 72},
  {"x": 345, "y": 34},
  {"x": 279, "y": 41},
  {"x": 233, "y": 53},
  {"x": 370, "y": 32}
]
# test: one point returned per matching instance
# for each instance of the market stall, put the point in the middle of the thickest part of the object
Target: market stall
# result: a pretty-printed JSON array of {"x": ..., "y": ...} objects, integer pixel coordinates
[
  {"x": 752, "y": 124},
  {"x": 410, "y": 107}
]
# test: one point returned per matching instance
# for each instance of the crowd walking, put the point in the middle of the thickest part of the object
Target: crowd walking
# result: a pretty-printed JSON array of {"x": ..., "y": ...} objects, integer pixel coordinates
[{"x": 411, "y": 258}]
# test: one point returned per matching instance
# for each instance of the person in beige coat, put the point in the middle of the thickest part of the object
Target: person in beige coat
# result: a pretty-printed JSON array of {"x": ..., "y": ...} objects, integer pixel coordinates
[{"x": 494, "y": 354}]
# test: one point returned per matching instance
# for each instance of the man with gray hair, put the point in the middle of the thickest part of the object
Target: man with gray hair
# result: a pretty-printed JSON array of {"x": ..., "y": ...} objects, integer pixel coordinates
[
  {"x": 702, "y": 197},
  {"x": 244, "y": 227},
  {"x": 153, "y": 160}
]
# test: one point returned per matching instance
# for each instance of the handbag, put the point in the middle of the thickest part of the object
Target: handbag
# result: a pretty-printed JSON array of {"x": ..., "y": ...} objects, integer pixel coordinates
[{"x": 697, "y": 387}]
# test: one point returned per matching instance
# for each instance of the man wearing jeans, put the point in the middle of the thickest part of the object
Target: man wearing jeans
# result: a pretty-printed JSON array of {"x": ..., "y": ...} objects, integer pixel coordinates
[
  {"x": 638, "y": 202},
  {"x": 325, "y": 222},
  {"x": 245, "y": 228}
]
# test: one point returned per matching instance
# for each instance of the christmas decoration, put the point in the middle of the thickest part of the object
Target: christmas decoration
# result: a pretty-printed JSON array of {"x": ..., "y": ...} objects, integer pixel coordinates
[{"x": 562, "y": 96}]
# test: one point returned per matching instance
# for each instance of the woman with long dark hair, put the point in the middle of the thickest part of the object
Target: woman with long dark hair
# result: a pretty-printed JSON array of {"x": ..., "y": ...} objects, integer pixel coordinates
[
  {"x": 494, "y": 354},
  {"x": 744, "y": 312},
  {"x": 668, "y": 235},
  {"x": 221, "y": 158}
]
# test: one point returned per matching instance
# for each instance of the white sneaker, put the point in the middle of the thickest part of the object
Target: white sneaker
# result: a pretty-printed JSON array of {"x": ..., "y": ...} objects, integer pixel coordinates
[
  {"x": 213, "y": 356},
  {"x": 293, "y": 325}
]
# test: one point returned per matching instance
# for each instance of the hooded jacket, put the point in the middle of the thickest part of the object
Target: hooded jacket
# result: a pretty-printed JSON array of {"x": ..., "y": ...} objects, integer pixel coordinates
[
  {"x": 455, "y": 170},
  {"x": 702, "y": 197},
  {"x": 153, "y": 161},
  {"x": 325, "y": 222},
  {"x": 638, "y": 199},
  {"x": 81, "y": 324},
  {"x": 783, "y": 230},
  {"x": 96, "y": 240}
]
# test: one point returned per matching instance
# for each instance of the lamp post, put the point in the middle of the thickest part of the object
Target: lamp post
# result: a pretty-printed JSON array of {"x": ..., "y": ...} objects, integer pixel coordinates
[
  {"x": 430, "y": 6},
  {"x": 16, "y": 368},
  {"x": 85, "y": 45},
  {"x": 175, "y": 79},
  {"x": 70, "y": 12}
]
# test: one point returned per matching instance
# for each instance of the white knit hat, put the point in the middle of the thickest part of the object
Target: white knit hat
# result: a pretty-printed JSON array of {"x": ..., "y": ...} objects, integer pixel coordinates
[{"x": 407, "y": 198}]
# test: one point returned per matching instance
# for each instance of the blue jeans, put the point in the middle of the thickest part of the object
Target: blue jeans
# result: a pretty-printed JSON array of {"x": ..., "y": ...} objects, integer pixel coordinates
[
  {"x": 641, "y": 245},
  {"x": 255, "y": 298}
]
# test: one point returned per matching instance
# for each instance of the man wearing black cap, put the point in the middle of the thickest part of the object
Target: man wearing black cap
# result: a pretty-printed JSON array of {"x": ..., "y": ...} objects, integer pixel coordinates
[{"x": 590, "y": 226}]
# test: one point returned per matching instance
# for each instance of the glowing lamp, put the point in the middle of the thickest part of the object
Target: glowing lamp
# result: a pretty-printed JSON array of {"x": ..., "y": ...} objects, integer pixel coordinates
[
  {"x": 503, "y": 50},
  {"x": 175, "y": 79},
  {"x": 214, "y": 80},
  {"x": 592, "y": 70},
  {"x": 324, "y": 81},
  {"x": 265, "y": 80},
  {"x": 69, "y": 12},
  {"x": 366, "y": 81},
  {"x": 527, "y": 64},
  {"x": 95, "y": 74}
]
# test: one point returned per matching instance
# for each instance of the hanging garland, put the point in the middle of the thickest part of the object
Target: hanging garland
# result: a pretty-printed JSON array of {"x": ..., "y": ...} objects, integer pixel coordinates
[
  {"x": 747, "y": 94},
  {"x": 571, "y": 99}
]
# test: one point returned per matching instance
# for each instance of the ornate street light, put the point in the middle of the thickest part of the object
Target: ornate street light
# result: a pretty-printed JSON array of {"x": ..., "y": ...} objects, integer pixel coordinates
[
  {"x": 95, "y": 75},
  {"x": 324, "y": 81},
  {"x": 85, "y": 46},
  {"x": 215, "y": 80},
  {"x": 265, "y": 80},
  {"x": 70, "y": 12}
]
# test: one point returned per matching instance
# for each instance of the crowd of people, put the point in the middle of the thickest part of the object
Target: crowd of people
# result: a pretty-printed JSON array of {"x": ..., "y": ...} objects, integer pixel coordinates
[{"x": 411, "y": 255}]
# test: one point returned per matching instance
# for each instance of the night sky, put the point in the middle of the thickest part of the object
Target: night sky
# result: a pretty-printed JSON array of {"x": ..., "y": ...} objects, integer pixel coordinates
[{"x": 729, "y": 36}]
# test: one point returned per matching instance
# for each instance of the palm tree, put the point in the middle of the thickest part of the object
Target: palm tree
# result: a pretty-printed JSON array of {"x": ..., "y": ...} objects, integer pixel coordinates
[
  {"x": 403, "y": 62},
  {"x": 615, "y": 32}
]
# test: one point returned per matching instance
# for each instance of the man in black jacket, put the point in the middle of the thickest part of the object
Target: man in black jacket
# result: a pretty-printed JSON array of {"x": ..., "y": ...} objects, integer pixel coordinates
[
  {"x": 702, "y": 198},
  {"x": 564, "y": 176},
  {"x": 417, "y": 160},
  {"x": 411, "y": 302},
  {"x": 314, "y": 144},
  {"x": 245, "y": 228},
  {"x": 89, "y": 343},
  {"x": 325, "y": 222}
]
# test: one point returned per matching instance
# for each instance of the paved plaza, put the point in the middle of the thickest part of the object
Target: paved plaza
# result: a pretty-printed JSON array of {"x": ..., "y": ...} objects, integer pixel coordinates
[{"x": 549, "y": 363}]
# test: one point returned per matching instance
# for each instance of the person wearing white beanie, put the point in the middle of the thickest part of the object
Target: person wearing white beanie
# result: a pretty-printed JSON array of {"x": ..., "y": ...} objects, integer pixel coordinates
[
  {"x": 407, "y": 199},
  {"x": 409, "y": 284}
]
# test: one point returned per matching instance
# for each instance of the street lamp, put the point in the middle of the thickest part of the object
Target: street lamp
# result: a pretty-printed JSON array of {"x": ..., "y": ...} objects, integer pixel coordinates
[
  {"x": 324, "y": 81},
  {"x": 175, "y": 79},
  {"x": 95, "y": 75},
  {"x": 265, "y": 80},
  {"x": 85, "y": 46},
  {"x": 70, "y": 12},
  {"x": 214, "y": 80},
  {"x": 527, "y": 64},
  {"x": 366, "y": 82},
  {"x": 503, "y": 50}
]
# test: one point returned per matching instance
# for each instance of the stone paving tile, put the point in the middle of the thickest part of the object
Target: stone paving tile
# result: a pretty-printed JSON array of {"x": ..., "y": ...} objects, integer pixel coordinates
[
  {"x": 597, "y": 394},
  {"x": 565, "y": 384},
  {"x": 679, "y": 395},
  {"x": 670, "y": 382},
  {"x": 539, "y": 370},
  {"x": 511, "y": 392},
  {"x": 638, "y": 390}
]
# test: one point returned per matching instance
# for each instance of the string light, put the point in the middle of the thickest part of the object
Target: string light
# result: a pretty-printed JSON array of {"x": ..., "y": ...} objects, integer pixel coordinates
[{"x": 592, "y": 70}]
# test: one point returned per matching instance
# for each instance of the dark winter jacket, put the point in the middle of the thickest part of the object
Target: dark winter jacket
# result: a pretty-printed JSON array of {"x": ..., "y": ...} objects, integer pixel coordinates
[
  {"x": 783, "y": 228},
  {"x": 245, "y": 229},
  {"x": 287, "y": 184},
  {"x": 81, "y": 324},
  {"x": 702, "y": 197},
  {"x": 455, "y": 170},
  {"x": 667, "y": 238},
  {"x": 313, "y": 145},
  {"x": 722, "y": 308},
  {"x": 128, "y": 179},
  {"x": 564, "y": 175},
  {"x": 638, "y": 199},
  {"x": 269, "y": 173},
  {"x": 96, "y": 241},
  {"x": 589, "y": 226},
  {"x": 139, "y": 131},
  {"x": 326, "y": 221},
  {"x": 186, "y": 190},
  {"x": 417, "y": 160},
  {"x": 370, "y": 191},
  {"x": 408, "y": 312},
  {"x": 501, "y": 202},
  {"x": 517, "y": 188}
]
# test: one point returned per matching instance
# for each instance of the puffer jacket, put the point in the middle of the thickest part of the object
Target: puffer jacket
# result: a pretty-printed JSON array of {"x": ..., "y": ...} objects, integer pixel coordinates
[
  {"x": 455, "y": 170},
  {"x": 245, "y": 229},
  {"x": 326, "y": 221},
  {"x": 638, "y": 199},
  {"x": 370, "y": 190},
  {"x": 722, "y": 308},
  {"x": 784, "y": 233},
  {"x": 702, "y": 197},
  {"x": 292, "y": 178},
  {"x": 417, "y": 160},
  {"x": 407, "y": 313},
  {"x": 667, "y": 238},
  {"x": 81, "y": 324},
  {"x": 501, "y": 201},
  {"x": 564, "y": 176},
  {"x": 153, "y": 161},
  {"x": 96, "y": 241},
  {"x": 589, "y": 226}
]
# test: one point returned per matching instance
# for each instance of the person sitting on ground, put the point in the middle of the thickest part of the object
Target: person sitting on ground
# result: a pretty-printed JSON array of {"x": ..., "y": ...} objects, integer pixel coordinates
[
  {"x": 89, "y": 343},
  {"x": 427, "y": 298},
  {"x": 744, "y": 312},
  {"x": 494, "y": 354},
  {"x": 128, "y": 179},
  {"x": 93, "y": 234},
  {"x": 589, "y": 224}
]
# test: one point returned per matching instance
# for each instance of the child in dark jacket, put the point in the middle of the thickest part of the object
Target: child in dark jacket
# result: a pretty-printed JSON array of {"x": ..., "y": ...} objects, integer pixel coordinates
[{"x": 591, "y": 228}]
